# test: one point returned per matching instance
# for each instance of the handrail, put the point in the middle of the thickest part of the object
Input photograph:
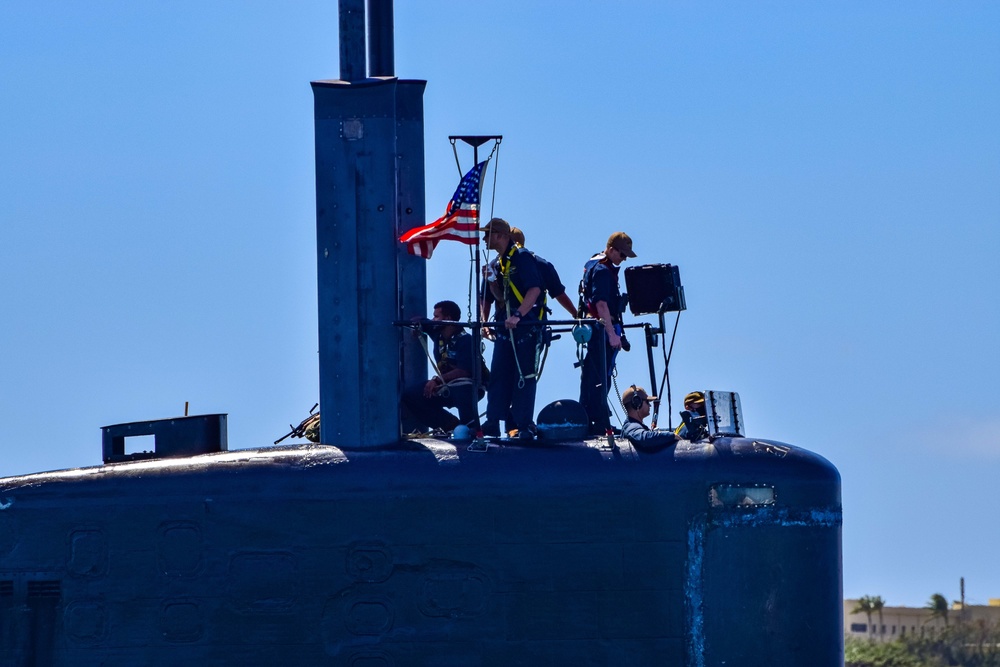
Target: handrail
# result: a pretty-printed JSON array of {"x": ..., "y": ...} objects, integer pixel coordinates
[{"x": 493, "y": 324}]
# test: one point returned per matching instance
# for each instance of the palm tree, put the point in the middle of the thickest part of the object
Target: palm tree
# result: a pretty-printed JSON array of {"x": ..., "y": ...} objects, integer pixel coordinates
[
  {"x": 864, "y": 605},
  {"x": 938, "y": 606},
  {"x": 877, "y": 603}
]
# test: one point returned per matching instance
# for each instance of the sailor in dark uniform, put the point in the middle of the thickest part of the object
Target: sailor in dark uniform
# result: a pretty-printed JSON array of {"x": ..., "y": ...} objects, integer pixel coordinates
[
  {"x": 603, "y": 301},
  {"x": 645, "y": 439},
  {"x": 513, "y": 371},
  {"x": 492, "y": 291},
  {"x": 452, "y": 385}
]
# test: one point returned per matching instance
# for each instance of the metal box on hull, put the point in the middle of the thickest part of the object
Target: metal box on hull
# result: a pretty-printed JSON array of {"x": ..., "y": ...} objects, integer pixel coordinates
[{"x": 427, "y": 554}]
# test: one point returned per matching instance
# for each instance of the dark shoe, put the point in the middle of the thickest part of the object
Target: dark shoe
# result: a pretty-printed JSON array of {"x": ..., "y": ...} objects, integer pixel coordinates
[
  {"x": 491, "y": 429},
  {"x": 526, "y": 433}
]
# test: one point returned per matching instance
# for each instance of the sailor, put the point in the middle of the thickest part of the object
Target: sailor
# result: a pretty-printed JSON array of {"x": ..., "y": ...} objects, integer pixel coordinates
[
  {"x": 602, "y": 299},
  {"x": 693, "y": 421},
  {"x": 551, "y": 284},
  {"x": 513, "y": 377},
  {"x": 452, "y": 385},
  {"x": 636, "y": 404},
  {"x": 492, "y": 294}
]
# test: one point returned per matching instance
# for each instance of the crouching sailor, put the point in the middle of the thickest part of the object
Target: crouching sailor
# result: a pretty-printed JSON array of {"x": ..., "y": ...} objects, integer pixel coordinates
[
  {"x": 693, "y": 421},
  {"x": 645, "y": 439},
  {"x": 452, "y": 385}
]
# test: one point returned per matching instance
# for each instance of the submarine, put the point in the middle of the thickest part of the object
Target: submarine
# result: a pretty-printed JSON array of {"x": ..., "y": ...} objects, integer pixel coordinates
[{"x": 372, "y": 550}]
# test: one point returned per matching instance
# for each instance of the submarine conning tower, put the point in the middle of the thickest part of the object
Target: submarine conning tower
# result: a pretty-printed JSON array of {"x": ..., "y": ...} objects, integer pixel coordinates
[{"x": 369, "y": 189}]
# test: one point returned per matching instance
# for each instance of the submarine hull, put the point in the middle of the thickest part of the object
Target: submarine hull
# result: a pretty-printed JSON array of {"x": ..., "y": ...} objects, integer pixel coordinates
[{"x": 427, "y": 553}]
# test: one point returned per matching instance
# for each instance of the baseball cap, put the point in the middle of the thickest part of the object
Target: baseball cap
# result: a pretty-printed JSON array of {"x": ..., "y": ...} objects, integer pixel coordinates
[
  {"x": 621, "y": 242},
  {"x": 498, "y": 225},
  {"x": 628, "y": 394}
]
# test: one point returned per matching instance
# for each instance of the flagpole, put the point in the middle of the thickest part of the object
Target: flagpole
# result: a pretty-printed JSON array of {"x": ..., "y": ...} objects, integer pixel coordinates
[
  {"x": 477, "y": 336},
  {"x": 477, "y": 332}
]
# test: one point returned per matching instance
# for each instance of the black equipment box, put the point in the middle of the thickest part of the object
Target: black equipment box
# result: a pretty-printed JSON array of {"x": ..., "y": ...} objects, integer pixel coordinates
[
  {"x": 180, "y": 436},
  {"x": 654, "y": 288}
]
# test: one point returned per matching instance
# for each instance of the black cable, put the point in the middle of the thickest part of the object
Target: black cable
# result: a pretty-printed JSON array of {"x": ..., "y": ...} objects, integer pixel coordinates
[
  {"x": 666, "y": 373},
  {"x": 454, "y": 149},
  {"x": 496, "y": 168},
  {"x": 614, "y": 408}
]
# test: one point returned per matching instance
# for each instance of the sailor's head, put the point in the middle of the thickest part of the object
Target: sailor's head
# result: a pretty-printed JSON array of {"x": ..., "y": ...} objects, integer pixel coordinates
[
  {"x": 695, "y": 402},
  {"x": 619, "y": 248},
  {"x": 496, "y": 234},
  {"x": 636, "y": 401},
  {"x": 517, "y": 236},
  {"x": 447, "y": 311}
]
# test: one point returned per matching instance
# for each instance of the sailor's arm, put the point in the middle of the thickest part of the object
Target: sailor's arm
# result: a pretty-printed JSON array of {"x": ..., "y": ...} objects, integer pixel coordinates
[
  {"x": 439, "y": 380},
  {"x": 567, "y": 303},
  {"x": 647, "y": 440},
  {"x": 524, "y": 308},
  {"x": 486, "y": 301},
  {"x": 614, "y": 340}
]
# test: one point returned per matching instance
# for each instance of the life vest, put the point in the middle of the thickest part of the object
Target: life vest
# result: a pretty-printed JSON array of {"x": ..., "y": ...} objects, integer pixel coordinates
[{"x": 585, "y": 307}]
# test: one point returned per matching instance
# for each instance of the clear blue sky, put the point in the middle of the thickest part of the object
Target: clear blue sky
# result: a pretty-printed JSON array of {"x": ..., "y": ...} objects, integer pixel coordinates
[{"x": 826, "y": 174}]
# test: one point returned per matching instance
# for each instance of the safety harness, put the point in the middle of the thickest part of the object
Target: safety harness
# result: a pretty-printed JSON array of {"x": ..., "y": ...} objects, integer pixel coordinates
[
  {"x": 585, "y": 307},
  {"x": 504, "y": 263},
  {"x": 443, "y": 390}
]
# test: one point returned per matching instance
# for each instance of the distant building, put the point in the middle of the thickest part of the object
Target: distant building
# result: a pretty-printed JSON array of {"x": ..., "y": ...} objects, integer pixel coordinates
[{"x": 896, "y": 622}]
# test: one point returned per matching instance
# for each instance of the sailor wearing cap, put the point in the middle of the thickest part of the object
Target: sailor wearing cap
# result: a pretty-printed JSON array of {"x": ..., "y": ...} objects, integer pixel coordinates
[
  {"x": 513, "y": 374},
  {"x": 602, "y": 300},
  {"x": 636, "y": 404},
  {"x": 552, "y": 286},
  {"x": 492, "y": 287}
]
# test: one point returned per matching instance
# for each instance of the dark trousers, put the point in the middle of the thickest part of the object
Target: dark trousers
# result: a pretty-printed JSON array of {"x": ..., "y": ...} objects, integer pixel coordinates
[
  {"x": 595, "y": 380},
  {"x": 431, "y": 413},
  {"x": 511, "y": 396}
]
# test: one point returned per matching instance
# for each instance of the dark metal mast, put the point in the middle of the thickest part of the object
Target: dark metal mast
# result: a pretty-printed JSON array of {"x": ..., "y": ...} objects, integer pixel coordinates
[{"x": 369, "y": 189}]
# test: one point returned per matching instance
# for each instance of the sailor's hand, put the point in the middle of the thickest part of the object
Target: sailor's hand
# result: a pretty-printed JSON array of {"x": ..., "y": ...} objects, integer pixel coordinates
[
  {"x": 487, "y": 333},
  {"x": 430, "y": 387},
  {"x": 512, "y": 320},
  {"x": 614, "y": 340}
]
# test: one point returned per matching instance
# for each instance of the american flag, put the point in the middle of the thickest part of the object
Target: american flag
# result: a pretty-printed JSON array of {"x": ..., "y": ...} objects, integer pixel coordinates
[{"x": 459, "y": 223}]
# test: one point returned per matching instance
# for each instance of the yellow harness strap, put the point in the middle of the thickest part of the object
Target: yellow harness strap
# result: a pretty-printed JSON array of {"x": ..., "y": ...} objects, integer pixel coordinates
[{"x": 504, "y": 264}]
